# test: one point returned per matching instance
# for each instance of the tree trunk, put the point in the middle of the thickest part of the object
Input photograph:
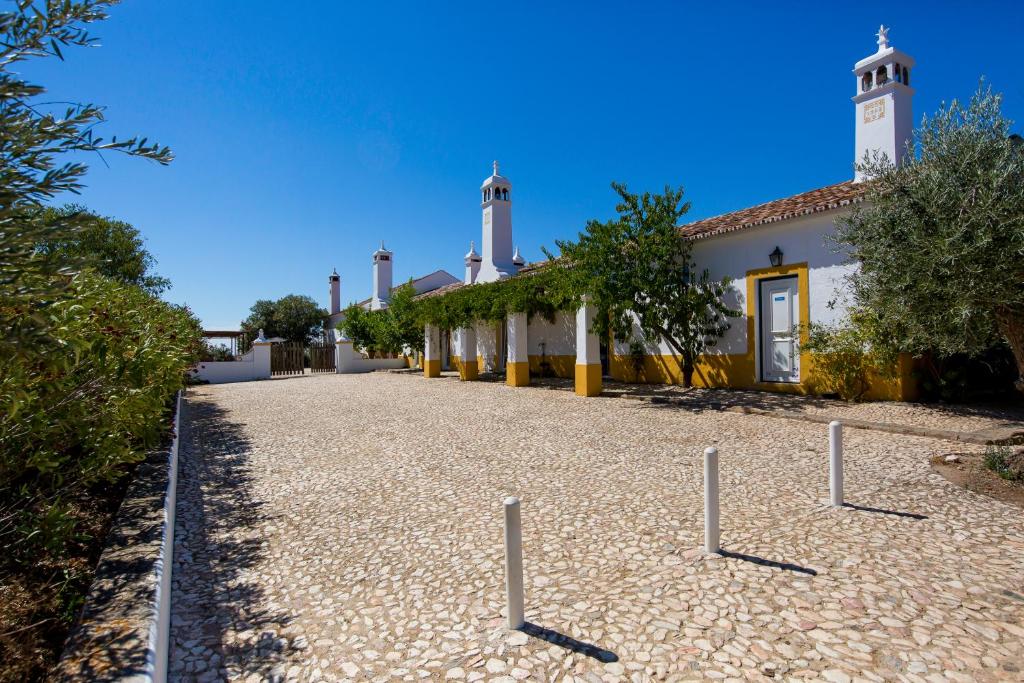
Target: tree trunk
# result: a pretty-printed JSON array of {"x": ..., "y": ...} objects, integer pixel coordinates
[
  {"x": 688, "y": 367},
  {"x": 1011, "y": 326}
]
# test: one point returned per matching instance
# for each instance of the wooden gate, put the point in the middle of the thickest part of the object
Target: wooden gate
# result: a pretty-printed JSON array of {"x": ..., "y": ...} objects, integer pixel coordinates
[
  {"x": 321, "y": 357},
  {"x": 287, "y": 358}
]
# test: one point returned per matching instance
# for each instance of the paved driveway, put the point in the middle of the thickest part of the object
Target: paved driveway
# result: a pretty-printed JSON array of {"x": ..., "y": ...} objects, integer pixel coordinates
[{"x": 349, "y": 527}]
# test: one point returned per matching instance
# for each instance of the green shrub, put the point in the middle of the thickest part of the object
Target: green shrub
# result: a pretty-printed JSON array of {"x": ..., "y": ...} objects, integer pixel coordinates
[
  {"x": 78, "y": 409},
  {"x": 844, "y": 358},
  {"x": 1005, "y": 462}
]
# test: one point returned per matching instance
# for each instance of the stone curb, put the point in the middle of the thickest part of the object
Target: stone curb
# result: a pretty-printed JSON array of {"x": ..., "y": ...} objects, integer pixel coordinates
[
  {"x": 984, "y": 437},
  {"x": 123, "y": 630}
]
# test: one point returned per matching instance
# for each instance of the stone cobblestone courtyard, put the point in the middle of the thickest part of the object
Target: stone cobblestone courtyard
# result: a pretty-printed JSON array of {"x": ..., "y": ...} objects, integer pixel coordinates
[{"x": 348, "y": 527}]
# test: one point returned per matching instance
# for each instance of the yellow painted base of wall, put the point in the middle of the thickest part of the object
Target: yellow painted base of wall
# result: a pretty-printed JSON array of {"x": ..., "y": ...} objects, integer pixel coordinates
[
  {"x": 738, "y": 371},
  {"x": 558, "y": 366},
  {"x": 588, "y": 380},
  {"x": 468, "y": 371},
  {"x": 432, "y": 368},
  {"x": 517, "y": 374}
]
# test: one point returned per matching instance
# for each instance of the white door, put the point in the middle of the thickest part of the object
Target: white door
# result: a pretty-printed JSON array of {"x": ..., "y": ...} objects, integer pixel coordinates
[{"x": 780, "y": 320}]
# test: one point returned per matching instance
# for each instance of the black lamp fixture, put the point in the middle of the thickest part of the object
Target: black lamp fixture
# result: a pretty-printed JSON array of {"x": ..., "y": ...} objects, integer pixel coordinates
[{"x": 776, "y": 257}]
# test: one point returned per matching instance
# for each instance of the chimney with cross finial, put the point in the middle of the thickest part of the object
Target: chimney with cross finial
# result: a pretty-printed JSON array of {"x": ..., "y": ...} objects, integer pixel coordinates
[{"x": 884, "y": 117}]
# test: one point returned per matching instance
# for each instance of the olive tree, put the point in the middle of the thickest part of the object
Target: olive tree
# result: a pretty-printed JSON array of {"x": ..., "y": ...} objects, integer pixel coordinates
[{"x": 940, "y": 239}]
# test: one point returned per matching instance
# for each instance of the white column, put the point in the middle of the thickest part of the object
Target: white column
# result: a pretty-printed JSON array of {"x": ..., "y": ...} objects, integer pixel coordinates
[
  {"x": 588, "y": 352},
  {"x": 431, "y": 351},
  {"x": 517, "y": 370},
  {"x": 467, "y": 353},
  {"x": 588, "y": 346},
  {"x": 514, "y": 606},
  {"x": 711, "y": 529},
  {"x": 835, "y": 463},
  {"x": 261, "y": 357}
]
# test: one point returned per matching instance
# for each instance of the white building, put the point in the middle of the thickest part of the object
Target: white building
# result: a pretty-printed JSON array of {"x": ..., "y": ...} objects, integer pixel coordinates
[
  {"x": 784, "y": 274},
  {"x": 383, "y": 262}
]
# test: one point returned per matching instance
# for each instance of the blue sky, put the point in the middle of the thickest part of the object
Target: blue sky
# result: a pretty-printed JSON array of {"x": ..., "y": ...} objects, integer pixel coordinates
[{"x": 307, "y": 132}]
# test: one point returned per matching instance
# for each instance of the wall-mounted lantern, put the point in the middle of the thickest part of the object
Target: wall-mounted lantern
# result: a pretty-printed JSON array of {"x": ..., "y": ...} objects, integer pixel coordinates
[{"x": 776, "y": 257}]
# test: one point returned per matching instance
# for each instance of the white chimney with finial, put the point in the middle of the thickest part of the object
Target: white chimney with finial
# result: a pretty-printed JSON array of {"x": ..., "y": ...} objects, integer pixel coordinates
[
  {"x": 496, "y": 193},
  {"x": 381, "y": 278},
  {"x": 335, "y": 281},
  {"x": 473, "y": 262},
  {"x": 882, "y": 105}
]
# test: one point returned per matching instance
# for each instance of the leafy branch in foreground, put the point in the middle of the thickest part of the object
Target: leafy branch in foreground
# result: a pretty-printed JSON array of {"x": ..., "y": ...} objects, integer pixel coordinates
[{"x": 33, "y": 138}]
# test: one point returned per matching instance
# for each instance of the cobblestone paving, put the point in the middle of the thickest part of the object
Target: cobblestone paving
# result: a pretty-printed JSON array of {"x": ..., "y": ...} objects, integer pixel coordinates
[
  {"x": 349, "y": 528},
  {"x": 957, "y": 418}
]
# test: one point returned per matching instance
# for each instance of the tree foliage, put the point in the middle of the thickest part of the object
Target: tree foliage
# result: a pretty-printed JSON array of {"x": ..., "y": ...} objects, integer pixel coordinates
[
  {"x": 390, "y": 330},
  {"x": 640, "y": 275},
  {"x": 111, "y": 247},
  {"x": 34, "y": 140},
  {"x": 90, "y": 364},
  {"x": 296, "y": 318},
  {"x": 941, "y": 238}
]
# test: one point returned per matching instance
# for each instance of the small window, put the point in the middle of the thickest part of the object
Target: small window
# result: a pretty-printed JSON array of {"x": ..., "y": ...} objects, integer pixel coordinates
[
  {"x": 865, "y": 82},
  {"x": 898, "y": 73},
  {"x": 504, "y": 194},
  {"x": 881, "y": 76},
  {"x": 906, "y": 76}
]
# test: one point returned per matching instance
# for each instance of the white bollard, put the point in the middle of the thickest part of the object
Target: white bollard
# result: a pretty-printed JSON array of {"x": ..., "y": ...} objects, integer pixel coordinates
[
  {"x": 514, "y": 564},
  {"x": 711, "y": 530},
  {"x": 835, "y": 463}
]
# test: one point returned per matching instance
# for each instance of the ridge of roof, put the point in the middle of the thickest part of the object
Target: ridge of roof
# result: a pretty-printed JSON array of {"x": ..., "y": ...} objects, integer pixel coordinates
[
  {"x": 440, "y": 290},
  {"x": 803, "y": 204}
]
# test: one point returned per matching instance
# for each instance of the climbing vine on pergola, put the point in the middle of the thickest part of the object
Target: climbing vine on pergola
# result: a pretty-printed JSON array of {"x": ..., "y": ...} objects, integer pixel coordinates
[{"x": 538, "y": 291}]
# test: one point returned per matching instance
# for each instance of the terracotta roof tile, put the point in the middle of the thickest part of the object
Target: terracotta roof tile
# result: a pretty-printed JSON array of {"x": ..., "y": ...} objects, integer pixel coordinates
[{"x": 806, "y": 203}]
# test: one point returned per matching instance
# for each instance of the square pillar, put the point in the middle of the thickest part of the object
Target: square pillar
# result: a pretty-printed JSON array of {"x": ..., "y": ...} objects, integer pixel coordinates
[
  {"x": 467, "y": 354},
  {"x": 431, "y": 351},
  {"x": 588, "y": 352},
  {"x": 517, "y": 371}
]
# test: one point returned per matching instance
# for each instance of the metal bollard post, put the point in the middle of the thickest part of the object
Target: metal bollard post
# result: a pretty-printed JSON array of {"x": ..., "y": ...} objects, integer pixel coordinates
[
  {"x": 835, "y": 463},
  {"x": 711, "y": 530},
  {"x": 513, "y": 564}
]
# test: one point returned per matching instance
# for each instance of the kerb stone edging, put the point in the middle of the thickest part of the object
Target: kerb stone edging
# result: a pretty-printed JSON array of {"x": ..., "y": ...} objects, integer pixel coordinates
[{"x": 124, "y": 629}]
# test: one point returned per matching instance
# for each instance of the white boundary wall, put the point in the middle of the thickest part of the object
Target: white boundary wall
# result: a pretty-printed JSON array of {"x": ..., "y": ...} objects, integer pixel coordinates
[
  {"x": 349, "y": 361},
  {"x": 254, "y": 365}
]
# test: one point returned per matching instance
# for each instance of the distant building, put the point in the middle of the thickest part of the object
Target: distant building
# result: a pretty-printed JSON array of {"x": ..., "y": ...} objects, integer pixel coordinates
[
  {"x": 383, "y": 260},
  {"x": 783, "y": 269}
]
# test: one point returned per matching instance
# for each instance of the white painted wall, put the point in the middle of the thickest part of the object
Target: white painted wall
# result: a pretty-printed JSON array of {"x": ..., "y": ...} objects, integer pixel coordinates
[
  {"x": 801, "y": 240},
  {"x": 349, "y": 361},
  {"x": 559, "y": 336},
  {"x": 253, "y": 365}
]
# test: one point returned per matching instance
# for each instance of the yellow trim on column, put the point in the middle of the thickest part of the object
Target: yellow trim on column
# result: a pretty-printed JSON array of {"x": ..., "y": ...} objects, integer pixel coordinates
[
  {"x": 588, "y": 380},
  {"x": 517, "y": 374},
  {"x": 432, "y": 368},
  {"x": 468, "y": 371}
]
